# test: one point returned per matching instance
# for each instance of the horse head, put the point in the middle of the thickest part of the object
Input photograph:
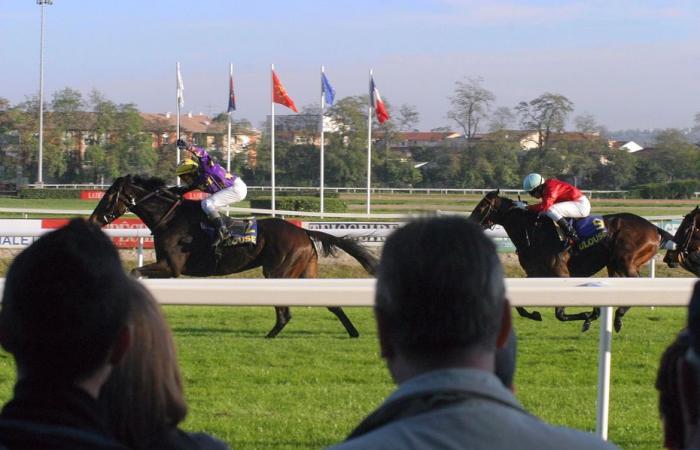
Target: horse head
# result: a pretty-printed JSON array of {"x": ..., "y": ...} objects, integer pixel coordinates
[
  {"x": 490, "y": 209},
  {"x": 119, "y": 198},
  {"x": 687, "y": 239}
]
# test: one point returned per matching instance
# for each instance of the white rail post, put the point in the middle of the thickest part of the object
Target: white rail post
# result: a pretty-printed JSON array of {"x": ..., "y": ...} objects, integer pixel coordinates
[
  {"x": 604, "y": 356},
  {"x": 139, "y": 252}
]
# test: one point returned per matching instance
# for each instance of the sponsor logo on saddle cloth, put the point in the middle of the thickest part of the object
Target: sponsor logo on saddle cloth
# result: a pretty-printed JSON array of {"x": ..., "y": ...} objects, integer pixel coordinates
[
  {"x": 590, "y": 230},
  {"x": 241, "y": 231}
]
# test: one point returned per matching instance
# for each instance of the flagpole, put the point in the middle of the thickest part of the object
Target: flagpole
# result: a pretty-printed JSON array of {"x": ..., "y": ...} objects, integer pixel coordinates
[
  {"x": 230, "y": 118},
  {"x": 322, "y": 141},
  {"x": 369, "y": 143},
  {"x": 272, "y": 138},
  {"x": 177, "y": 115}
]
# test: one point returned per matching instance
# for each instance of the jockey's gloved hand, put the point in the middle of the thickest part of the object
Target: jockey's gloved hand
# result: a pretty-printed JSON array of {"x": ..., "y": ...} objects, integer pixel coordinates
[
  {"x": 181, "y": 144},
  {"x": 520, "y": 205}
]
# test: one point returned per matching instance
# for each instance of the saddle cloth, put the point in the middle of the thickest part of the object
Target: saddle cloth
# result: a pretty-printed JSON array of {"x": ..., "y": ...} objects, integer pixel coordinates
[
  {"x": 590, "y": 230},
  {"x": 241, "y": 231}
]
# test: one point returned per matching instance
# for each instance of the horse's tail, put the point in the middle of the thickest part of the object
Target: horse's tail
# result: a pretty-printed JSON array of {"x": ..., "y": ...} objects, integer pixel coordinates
[
  {"x": 667, "y": 242},
  {"x": 330, "y": 243}
]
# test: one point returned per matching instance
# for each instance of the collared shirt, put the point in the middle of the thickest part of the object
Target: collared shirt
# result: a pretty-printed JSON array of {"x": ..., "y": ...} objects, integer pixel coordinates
[{"x": 492, "y": 419}]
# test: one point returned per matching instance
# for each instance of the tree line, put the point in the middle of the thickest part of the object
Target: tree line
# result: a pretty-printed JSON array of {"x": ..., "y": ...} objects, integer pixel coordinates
[{"x": 118, "y": 142}]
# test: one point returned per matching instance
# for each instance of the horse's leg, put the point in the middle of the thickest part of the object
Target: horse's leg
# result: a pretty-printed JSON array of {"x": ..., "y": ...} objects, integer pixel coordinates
[
  {"x": 158, "y": 269},
  {"x": 283, "y": 315},
  {"x": 311, "y": 271},
  {"x": 624, "y": 267},
  {"x": 587, "y": 317},
  {"x": 534, "y": 315}
]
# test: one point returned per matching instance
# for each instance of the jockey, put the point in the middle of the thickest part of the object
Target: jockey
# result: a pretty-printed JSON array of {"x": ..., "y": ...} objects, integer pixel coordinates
[
  {"x": 559, "y": 200},
  {"x": 200, "y": 172}
]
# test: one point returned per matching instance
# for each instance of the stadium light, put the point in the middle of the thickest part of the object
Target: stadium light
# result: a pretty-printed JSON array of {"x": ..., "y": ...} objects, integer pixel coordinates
[{"x": 39, "y": 178}]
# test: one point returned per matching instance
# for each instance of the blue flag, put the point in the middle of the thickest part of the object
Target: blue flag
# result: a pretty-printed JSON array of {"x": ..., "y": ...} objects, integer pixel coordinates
[
  {"x": 327, "y": 89},
  {"x": 231, "y": 96}
]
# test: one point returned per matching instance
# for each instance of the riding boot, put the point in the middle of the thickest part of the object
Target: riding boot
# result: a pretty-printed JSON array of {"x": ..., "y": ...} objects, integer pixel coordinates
[
  {"x": 222, "y": 231},
  {"x": 569, "y": 231}
]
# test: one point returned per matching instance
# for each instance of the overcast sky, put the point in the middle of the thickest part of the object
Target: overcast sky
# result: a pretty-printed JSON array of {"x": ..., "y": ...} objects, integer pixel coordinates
[{"x": 632, "y": 64}]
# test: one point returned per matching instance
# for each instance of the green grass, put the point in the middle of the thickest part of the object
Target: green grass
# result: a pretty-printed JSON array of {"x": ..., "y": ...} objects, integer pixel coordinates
[{"x": 309, "y": 387}]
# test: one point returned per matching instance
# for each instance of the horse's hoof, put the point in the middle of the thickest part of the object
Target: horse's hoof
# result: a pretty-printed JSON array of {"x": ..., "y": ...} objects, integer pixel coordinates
[
  {"x": 354, "y": 335},
  {"x": 617, "y": 324},
  {"x": 536, "y": 316},
  {"x": 586, "y": 326}
]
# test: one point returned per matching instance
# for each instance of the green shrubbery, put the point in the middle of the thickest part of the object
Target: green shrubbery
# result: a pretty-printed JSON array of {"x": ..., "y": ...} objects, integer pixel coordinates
[
  {"x": 49, "y": 193},
  {"x": 672, "y": 189},
  {"x": 310, "y": 204}
]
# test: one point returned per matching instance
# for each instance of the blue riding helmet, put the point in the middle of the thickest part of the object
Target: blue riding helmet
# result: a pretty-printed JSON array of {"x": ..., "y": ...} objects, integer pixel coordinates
[{"x": 532, "y": 181}]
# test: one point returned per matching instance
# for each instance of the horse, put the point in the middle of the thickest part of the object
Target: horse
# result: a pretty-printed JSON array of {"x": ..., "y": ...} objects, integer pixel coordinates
[
  {"x": 630, "y": 242},
  {"x": 687, "y": 238},
  {"x": 182, "y": 247}
]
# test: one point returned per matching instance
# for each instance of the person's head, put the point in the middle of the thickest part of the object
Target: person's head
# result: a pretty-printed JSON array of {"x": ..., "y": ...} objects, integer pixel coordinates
[
  {"x": 440, "y": 296},
  {"x": 64, "y": 313},
  {"x": 187, "y": 170},
  {"x": 148, "y": 377},
  {"x": 533, "y": 184}
]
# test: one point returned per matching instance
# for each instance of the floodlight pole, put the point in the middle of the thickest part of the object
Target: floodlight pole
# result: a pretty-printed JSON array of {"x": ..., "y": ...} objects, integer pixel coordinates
[{"x": 39, "y": 178}]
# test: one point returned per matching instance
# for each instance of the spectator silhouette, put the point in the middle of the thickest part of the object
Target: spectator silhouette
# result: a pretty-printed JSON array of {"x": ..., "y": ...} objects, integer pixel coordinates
[
  {"x": 441, "y": 313},
  {"x": 143, "y": 396},
  {"x": 64, "y": 320},
  {"x": 678, "y": 383}
]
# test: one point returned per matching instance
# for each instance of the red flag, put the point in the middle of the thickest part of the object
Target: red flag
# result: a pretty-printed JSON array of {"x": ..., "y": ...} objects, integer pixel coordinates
[
  {"x": 279, "y": 94},
  {"x": 376, "y": 102}
]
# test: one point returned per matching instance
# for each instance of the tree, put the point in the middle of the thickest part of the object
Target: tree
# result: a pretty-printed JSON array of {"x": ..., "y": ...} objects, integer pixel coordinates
[
  {"x": 545, "y": 114},
  {"x": 501, "y": 119},
  {"x": 408, "y": 118},
  {"x": 586, "y": 123},
  {"x": 470, "y": 104}
]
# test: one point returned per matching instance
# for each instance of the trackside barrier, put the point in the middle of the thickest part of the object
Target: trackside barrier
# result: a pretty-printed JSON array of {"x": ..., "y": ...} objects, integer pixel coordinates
[{"x": 543, "y": 292}]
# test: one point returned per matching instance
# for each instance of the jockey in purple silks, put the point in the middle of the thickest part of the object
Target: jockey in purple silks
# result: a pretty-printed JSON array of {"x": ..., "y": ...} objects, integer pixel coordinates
[{"x": 200, "y": 172}]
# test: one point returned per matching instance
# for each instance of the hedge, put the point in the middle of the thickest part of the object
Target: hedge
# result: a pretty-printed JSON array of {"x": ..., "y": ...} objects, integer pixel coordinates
[
  {"x": 49, "y": 193},
  {"x": 310, "y": 204},
  {"x": 673, "y": 189}
]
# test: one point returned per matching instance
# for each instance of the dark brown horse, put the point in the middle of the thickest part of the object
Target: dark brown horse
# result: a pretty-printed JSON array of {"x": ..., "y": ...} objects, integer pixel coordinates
[
  {"x": 687, "y": 238},
  {"x": 283, "y": 250},
  {"x": 631, "y": 242}
]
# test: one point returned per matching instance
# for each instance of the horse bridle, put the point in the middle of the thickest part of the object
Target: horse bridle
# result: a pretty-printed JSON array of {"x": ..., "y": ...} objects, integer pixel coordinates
[
  {"x": 689, "y": 233},
  {"x": 131, "y": 203},
  {"x": 488, "y": 212}
]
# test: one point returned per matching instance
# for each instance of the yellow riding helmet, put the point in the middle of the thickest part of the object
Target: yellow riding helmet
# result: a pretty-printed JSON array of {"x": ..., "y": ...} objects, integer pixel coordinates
[{"x": 186, "y": 166}]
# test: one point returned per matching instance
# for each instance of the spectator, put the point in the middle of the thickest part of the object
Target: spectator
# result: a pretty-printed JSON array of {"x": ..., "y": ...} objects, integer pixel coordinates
[
  {"x": 678, "y": 383},
  {"x": 441, "y": 313},
  {"x": 64, "y": 320},
  {"x": 504, "y": 363},
  {"x": 143, "y": 396}
]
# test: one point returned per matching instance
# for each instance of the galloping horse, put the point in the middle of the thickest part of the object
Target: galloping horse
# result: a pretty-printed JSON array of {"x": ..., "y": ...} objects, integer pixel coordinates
[
  {"x": 687, "y": 239},
  {"x": 183, "y": 248},
  {"x": 631, "y": 241}
]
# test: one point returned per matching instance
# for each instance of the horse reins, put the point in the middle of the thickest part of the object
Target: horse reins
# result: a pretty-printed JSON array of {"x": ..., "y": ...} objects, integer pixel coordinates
[{"x": 132, "y": 204}]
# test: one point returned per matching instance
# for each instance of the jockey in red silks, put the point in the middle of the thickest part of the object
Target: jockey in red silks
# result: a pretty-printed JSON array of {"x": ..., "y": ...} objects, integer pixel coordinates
[
  {"x": 200, "y": 172},
  {"x": 559, "y": 200}
]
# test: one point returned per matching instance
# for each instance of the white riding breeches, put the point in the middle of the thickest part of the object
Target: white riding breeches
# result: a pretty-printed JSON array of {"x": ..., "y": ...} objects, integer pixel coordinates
[
  {"x": 575, "y": 209},
  {"x": 224, "y": 197}
]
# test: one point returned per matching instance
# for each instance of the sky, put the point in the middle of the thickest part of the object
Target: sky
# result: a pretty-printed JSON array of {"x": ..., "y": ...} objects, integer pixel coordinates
[{"x": 631, "y": 64}]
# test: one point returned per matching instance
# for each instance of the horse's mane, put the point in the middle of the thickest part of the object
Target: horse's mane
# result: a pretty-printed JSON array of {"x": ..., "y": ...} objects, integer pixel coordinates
[{"x": 149, "y": 183}]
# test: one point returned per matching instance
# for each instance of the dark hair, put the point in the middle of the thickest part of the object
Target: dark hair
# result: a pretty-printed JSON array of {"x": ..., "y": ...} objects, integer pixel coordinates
[
  {"x": 694, "y": 318},
  {"x": 143, "y": 396},
  {"x": 63, "y": 304},
  {"x": 667, "y": 384},
  {"x": 440, "y": 287}
]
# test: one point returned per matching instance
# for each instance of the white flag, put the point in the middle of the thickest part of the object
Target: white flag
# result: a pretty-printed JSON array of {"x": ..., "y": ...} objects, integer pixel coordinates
[{"x": 180, "y": 88}]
